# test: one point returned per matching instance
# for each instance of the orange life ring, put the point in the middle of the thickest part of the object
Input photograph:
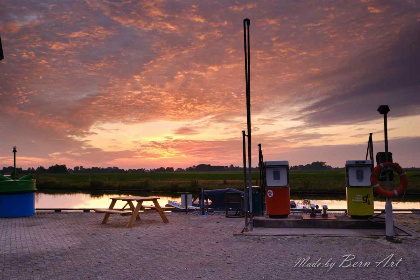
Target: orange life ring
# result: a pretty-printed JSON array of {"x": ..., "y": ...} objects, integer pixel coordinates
[{"x": 384, "y": 193}]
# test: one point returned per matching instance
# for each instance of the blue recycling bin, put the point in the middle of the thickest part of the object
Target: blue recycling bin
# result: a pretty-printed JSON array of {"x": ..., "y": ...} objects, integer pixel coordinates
[{"x": 17, "y": 197}]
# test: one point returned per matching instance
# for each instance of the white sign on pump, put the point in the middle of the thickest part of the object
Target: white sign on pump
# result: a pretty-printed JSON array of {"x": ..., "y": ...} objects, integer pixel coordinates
[
  {"x": 359, "y": 176},
  {"x": 358, "y": 172},
  {"x": 276, "y": 176}
]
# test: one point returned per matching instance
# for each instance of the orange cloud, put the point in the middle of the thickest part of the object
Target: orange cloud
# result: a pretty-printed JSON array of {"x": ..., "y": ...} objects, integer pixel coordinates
[
  {"x": 72, "y": 67},
  {"x": 374, "y": 10}
]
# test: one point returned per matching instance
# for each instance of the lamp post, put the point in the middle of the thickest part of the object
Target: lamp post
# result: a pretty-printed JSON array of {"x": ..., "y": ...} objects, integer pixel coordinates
[
  {"x": 389, "y": 221},
  {"x": 14, "y": 163}
]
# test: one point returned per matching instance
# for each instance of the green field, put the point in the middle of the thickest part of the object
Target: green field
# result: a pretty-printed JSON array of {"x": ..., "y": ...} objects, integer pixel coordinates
[{"x": 316, "y": 182}]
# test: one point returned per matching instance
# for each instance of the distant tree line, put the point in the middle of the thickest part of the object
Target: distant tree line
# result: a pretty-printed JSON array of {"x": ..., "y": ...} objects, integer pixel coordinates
[
  {"x": 62, "y": 169},
  {"x": 52, "y": 169},
  {"x": 316, "y": 165}
]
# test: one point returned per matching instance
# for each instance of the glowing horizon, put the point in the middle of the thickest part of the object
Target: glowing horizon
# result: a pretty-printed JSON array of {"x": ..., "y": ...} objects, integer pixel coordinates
[{"x": 147, "y": 84}]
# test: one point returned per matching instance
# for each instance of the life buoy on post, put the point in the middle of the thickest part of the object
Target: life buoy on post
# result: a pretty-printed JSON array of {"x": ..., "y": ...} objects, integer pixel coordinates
[{"x": 384, "y": 193}]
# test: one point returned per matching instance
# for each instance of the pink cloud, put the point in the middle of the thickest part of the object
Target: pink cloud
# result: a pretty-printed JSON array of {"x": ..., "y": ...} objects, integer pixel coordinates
[{"x": 74, "y": 65}]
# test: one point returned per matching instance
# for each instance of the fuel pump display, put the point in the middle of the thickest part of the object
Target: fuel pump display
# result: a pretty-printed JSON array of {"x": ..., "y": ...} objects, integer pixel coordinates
[
  {"x": 277, "y": 191},
  {"x": 359, "y": 191}
]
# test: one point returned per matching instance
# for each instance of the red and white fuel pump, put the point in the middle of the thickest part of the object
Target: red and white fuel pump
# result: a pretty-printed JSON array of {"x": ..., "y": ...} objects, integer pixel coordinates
[{"x": 277, "y": 190}]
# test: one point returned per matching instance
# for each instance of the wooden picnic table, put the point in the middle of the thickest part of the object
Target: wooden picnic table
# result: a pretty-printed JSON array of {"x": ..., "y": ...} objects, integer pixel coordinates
[{"x": 134, "y": 211}]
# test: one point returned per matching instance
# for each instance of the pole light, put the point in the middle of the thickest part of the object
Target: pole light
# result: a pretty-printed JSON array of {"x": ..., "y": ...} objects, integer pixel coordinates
[
  {"x": 14, "y": 163},
  {"x": 384, "y": 110},
  {"x": 389, "y": 220}
]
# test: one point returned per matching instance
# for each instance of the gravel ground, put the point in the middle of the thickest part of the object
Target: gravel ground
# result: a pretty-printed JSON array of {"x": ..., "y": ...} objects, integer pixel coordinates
[{"x": 78, "y": 246}]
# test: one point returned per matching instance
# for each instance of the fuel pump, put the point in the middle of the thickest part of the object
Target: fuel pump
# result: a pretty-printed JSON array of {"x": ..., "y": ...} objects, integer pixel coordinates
[
  {"x": 359, "y": 191},
  {"x": 277, "y": 191}
]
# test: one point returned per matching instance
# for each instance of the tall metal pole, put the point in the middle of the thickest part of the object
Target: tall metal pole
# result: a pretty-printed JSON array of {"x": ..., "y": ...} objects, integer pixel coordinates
[
  {"x": 245, "y": 183},
  {"x": 389, "y": 221},
  {"x": 386, "y": 135},
  {"x": 1, "y": 51},
  {"x": 248, "y": 111},
  {"x": 390, "y": 233},
  {"x": 371, "y": 151},
  {"x": 260, "y": 164},
  {"x": 262, "y": 185},
  {"x": 14, "y": 163}
]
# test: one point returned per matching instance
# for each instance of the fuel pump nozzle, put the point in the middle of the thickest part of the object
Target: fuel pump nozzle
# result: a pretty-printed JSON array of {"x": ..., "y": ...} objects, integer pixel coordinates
[
  {"x": 324, "y": 211},
  {"x": 313, "y": 207}
]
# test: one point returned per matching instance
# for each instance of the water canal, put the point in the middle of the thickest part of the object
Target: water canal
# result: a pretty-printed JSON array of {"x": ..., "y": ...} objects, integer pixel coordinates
[{"x": 88, "y": 200}]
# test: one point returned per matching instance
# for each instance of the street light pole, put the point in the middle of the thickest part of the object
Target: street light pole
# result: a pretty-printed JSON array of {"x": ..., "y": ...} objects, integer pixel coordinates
[
  {"x": 14, "y": 163},
  {"x": 389, "y": 220}
]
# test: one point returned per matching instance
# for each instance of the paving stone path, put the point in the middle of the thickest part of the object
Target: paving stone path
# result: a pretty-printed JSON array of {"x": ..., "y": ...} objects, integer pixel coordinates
[{"x": 78, "y": 246}]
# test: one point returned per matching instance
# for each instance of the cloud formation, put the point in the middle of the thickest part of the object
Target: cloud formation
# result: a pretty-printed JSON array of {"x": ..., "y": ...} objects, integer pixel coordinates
[{"x": 112, "y": 82}]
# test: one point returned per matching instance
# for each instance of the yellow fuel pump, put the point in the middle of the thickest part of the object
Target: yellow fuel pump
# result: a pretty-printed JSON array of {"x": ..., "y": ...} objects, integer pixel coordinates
[{"x": 359, "y": 192}]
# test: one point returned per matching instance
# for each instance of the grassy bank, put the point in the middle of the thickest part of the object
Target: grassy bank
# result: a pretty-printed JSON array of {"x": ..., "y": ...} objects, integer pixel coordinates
[{"x": 316, "y": 182}]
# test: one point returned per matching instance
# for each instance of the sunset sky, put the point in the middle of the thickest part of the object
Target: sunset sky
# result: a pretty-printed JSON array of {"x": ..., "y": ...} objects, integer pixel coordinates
[{"x": 142, "y": 84}]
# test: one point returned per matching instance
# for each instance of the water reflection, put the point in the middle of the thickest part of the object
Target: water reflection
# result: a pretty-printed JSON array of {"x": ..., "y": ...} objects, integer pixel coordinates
[
  {"x": 83, "y": 200},
  {"x": 342, "y": 204},
  {"x": 101, "y": 200}
]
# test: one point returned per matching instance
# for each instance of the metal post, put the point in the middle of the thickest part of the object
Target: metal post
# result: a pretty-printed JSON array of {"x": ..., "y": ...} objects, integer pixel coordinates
[
  {"x": 390, "y": 233},
  {"x": 248, "y": 111},
  {"x": 14, "y": 163},
  {"x": 368, "y": 147},
  {"x": 259, "y": 164},
  {"x": 1, "y": 51},
  {"x": 389, "y": 221},
  {"x": 202, "y": 212},
  {"x": 245, "y": 183},
  {"x": 262, "y": 186},
  {"x": 371, "y": 150},
  {"x": 386, "y": 135}
]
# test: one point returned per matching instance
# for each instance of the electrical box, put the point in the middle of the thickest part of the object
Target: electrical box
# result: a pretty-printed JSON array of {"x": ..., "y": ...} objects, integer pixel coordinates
[
  {"x": 277, "y": 190},
  {"x": 359, "y": 192}
]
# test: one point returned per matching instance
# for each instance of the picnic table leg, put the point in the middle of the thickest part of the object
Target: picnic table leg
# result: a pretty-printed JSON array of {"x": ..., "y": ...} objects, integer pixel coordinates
[
  {"x": 135, "y": 214},
  {"x": 160, "y": 211},
  {"x": 126, "y": 206},
  {"x": 130, "y": 203},
  {"x": 110, "y": 208}
]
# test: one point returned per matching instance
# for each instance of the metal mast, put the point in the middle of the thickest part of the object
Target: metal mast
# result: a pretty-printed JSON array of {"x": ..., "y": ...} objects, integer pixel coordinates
[
  {"x": 389, "y": 220},
  {"x": 247, "y": 49}
]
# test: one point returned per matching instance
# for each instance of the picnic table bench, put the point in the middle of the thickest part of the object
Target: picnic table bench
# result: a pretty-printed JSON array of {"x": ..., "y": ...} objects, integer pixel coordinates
[{"x": 133, "y": 211}]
